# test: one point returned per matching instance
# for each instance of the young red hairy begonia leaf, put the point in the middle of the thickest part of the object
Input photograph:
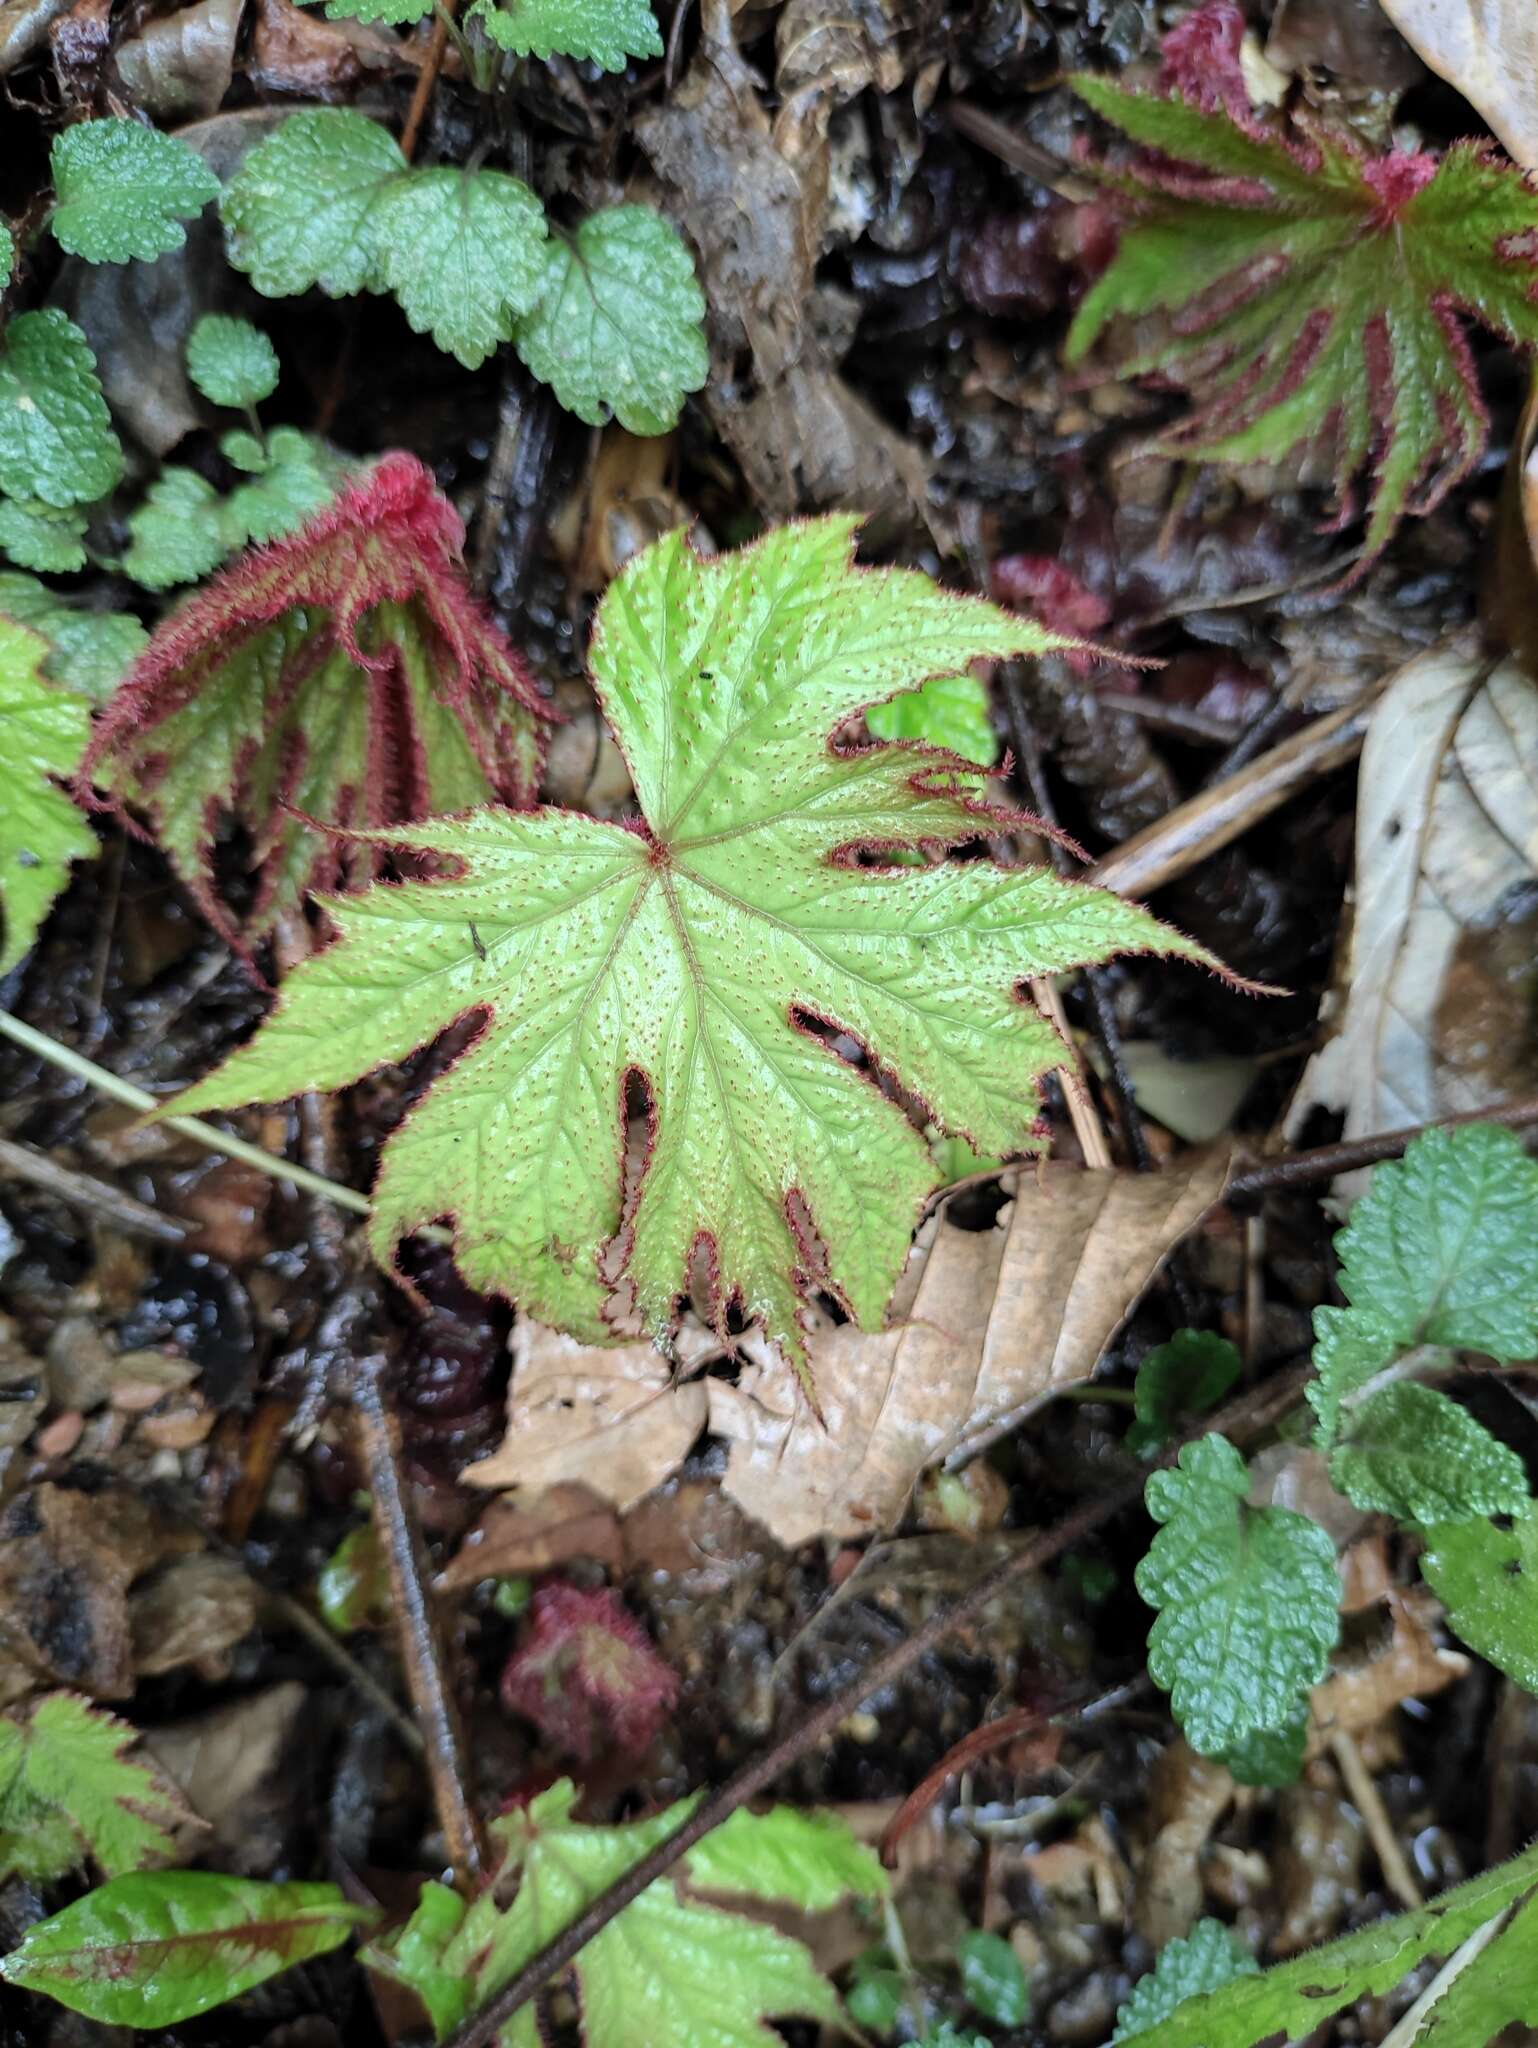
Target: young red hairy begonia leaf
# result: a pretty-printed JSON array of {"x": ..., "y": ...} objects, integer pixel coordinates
[
  {"x": 342, "y": 677},
  {"x": 587, "y": 1669},
  {"x": 1307, "y": 293}
]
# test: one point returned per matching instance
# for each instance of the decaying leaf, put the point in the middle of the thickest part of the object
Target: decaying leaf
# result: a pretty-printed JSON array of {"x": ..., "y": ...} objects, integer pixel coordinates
[
  {"x": 1437, "y": 1011},
  {"x": 984, "y": 1325},
  {"x": 1488, "y": 49}
]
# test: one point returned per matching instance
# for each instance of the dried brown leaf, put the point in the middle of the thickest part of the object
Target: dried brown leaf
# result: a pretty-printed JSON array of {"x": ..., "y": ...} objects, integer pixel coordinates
[
  {"x": 1440, "y": 975},
  {"x": 1355, "y": 1697},
  {"x": 998, "y": 1320},
  {"x": 179, "y": 67},
  {"x": 1488, "y": 50},
  {"x": 513, "y": 1537}
]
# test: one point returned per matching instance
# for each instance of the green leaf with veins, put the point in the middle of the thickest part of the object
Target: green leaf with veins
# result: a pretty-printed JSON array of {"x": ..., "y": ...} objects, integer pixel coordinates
[
  {"x": 1248, "y": 1601},
  {"x": 947, "y": 711},
  {"x": 668, "y": 1971},
  {"x": 39, "y": 536},
  {"x": 604, "y": 32},
  {"x": 56, "y": 438},
  {"x": 1410, "y": 1452},
  {"x": 162, "y": 1946},
  {"x": 125, "y": 189},
  {"x": 1295, "y": 1998},
  {"x": 1210, "y": 1956},
  {"x": 413, "y": 1955},
  {"x": 243, "y": 450},
  {"x": 300, "y": 210},
  {"x": 89, "y": 651},
  {"x": 1186, "y": 1376},
  {"x": 230, "y": 361},
  {"x": 1308, "y": 293},
  {"x": 689, "y": 952},
  {"x": 617, "y": 330},
  {"x": 68, "y": 1792},
  {"x": 1441, "y": 1250},
  {"x": 175, "y": 536},
  {"x": 299, "y": 475},
  {"x": 1487, "y": 1579},
  {"x": 464, "y": 253},
  {"x": 1271, "y": 1756},
  {"x": 43, "y": 732}
]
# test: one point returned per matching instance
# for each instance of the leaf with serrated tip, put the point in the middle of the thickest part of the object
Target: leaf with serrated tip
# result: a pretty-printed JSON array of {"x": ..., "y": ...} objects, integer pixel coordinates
[
  {"x": 88, "y": 651},
  {"x": 1248, "y": 1600},
  {"x": 56, "y": 438},
  {"x": 125, "y": 189},
  {"x": 161, "y": 1946},
  {"x": 463, "y": 252},
  {"x": 1442, "y": 1249},
  {"x": 43, "y": 731},
  {"x": 1487, "y": 1579},
  {"x": 300, "y": 210},
  {"x": 1209, "y": 1956},
  {"x": 68, "y": 1791},
  {"x": 605, "y": 32},
  {"x": 1313, "y": 294},
  {"x": 1410, "y": 1451},
  {"x": 175, "y": 535},
  {"x": 617, "y": 331},
  {"x": 703, "y": 951}
]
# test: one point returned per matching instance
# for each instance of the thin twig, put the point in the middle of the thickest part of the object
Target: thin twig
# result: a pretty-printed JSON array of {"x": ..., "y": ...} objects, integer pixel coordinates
[
  {"x": 1193, "y": 831},
  {"x": 82, "y": 1191},
  {"x": 193, "y": 1127},
  {"x": 1368, "y": 1801},
  {"x": 379, "y": 1439},
  {"x": 1255, "y": 1411},
  {"x": 1325, "y": 1162},
  {"x": 427, "y": 79}
]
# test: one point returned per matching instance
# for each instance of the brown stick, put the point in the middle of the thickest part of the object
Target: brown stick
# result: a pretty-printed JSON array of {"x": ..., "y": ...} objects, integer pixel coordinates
[
  {"x": 1308, "y": 1169},
  {"x": 1247, "y": 1416},
  {"x": 378, "y": 1437},
  {"x": 83, "y": 1191},
  {"x": 427, "y": 79},
  {"x": 1209, "y": 822}
]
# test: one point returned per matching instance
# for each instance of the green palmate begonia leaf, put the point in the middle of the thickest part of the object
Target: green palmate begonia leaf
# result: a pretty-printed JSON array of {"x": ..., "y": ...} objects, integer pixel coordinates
[
  {"x": 157, "y": 1947},
  {"x": 69, "y": 1792},
  {"x": 1248, "y": 1601},
  {"x": 125, "y": 189},
  {"x": 947, "y": 711},
  {"x": 1305, "y": 292},
  {"x": 43, "y": 729},
  {"x": 56, "y": 438},
  {"x": 701, "y": 956},
  {"x": 617, "y": 329}
]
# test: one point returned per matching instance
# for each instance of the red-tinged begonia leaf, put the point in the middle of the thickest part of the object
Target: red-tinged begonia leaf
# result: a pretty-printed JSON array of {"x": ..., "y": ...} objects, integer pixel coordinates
[
  {"x": 345, "y": 676},
  {"x": 1307, "y": 294},
  {"x": 164, "y": 1945},
  {"x": 585, "y": 1667}
]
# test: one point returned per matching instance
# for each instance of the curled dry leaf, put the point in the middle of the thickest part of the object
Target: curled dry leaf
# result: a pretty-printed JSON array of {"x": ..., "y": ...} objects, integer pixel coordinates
[
  {"x": 1488, "y": 50},
  {"x": 984, "y": 1325},
  {"x": 1357, "y": 1695},
  {"x": 1437, "y": 1010},
  {"x": 178, "y": 68}
]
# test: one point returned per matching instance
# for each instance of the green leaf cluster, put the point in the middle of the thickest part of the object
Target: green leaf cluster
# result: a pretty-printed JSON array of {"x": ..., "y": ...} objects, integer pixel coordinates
[
  {"x": 602, "y": 32},
  {"x": 1306, "y": 293},
  {"x": 1496, "y": 1989},
  {"x": 691, "y": 952},
  {"x": 609, "y": 317},
  {"x": 667, "y": 1972},
  {"x": 69, "y": 1794}
]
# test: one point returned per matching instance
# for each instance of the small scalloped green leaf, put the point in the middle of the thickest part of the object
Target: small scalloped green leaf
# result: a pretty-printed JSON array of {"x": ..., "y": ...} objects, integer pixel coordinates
[
  {"x": 56, "y": 438},
  {"x": 125, "y": 189},
  {"x": 604, "y": 32}
]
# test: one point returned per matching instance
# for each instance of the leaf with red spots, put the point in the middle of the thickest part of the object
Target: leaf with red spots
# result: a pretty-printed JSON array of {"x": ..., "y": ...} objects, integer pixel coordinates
[
  {"x": 723, "y": 953},
  {"x": 343, "y": 677},
  {"x": 587, "y": 1668},
  {"x": 1308, "y": 294}
]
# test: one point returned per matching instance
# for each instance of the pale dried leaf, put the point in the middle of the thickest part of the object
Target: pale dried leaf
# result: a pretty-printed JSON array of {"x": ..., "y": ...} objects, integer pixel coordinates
[
  {"x": 1438, "y": 1010},
  {"x": 999, "y": 1320},
  {"x": 616, "y": 1420},
  {"x": 1488, "y": 49},
  {"x": 1355, "y": 1697},
  {"x": 515, "y": 1537}
]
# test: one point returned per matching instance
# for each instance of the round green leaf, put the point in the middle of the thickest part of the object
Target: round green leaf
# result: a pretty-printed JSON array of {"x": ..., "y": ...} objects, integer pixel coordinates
[
  {"x": 125, "y": 189},
  {"x": 230, "y": 361}
]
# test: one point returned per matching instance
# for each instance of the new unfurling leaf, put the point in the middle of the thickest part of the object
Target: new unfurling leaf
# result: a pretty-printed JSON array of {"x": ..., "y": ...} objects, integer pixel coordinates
[
  {"x": 587, "y": 1666},
  {"x": 704, "y": 952},
  {"x": 1307, "y": 292},
  {"x": 344, "y": 673}
]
